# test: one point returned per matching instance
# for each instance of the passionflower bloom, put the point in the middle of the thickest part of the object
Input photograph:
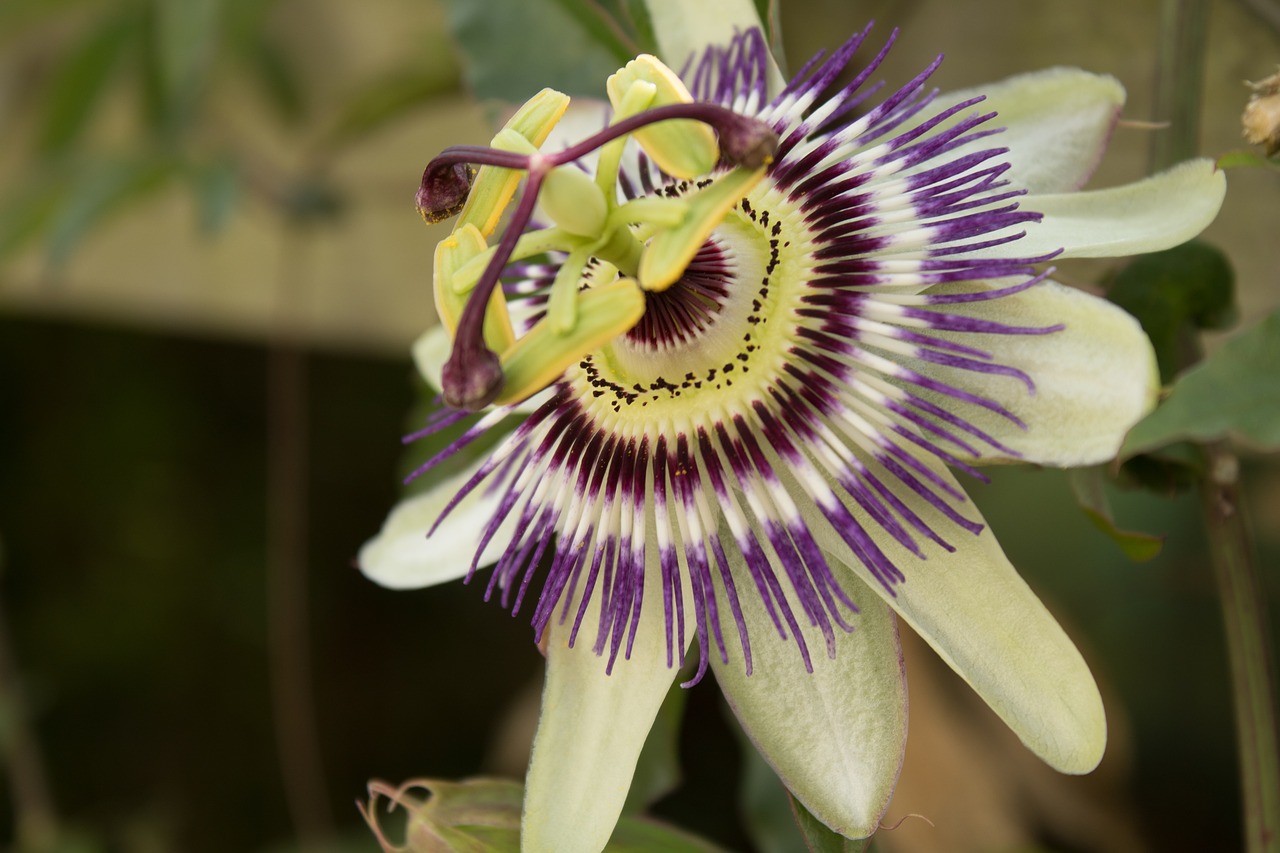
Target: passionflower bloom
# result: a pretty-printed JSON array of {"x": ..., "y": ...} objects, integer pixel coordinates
[{"x": 741, "y": 368}]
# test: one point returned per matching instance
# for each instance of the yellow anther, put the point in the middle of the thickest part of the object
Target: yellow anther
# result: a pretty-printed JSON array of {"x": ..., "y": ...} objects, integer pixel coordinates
[
  {"x": 452, "y": 254},
  {"x": 538, "y": 358},
  {"x": 573, "y": 201},
  {"x": 670, "y": 251},
  {"x": 683, "y": 148},
  {"x": 494, "y": 187}
]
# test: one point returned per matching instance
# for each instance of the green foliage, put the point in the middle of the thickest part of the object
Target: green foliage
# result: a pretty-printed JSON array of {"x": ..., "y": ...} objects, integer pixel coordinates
[
  {"x": 1089, "y": 487},
  {"x": 1235, "y": 392},
  {"x": 1174, "y": 294},
  {"x": 513, "y": 48}
]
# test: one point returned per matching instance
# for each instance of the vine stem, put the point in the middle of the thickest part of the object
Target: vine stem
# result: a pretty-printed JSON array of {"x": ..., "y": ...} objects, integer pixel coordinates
[{"x": 1244, "y": 617}]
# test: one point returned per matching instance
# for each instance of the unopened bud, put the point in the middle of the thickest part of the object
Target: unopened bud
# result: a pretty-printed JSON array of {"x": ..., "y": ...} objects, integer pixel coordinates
[{"x": 1261, "y": 117}]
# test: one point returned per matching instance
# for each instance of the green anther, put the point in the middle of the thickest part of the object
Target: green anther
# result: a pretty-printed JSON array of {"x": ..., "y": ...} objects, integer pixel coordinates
[
  {"x": 573, "y": 201},
  {"x": 538, "y": 358},
  {"x": 494, "y": 187},
  {"x": 452, "y": 254},
  {"x": 635, "y": 99},
  {"x": 670, "y": 251},
  {"x": 650, "y": 210},
  {"x": 562, "y": 305},
  {"x": 683, "y": 148}
]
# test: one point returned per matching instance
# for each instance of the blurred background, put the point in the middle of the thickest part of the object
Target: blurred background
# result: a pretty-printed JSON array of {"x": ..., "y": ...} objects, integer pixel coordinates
[{"x": 210, "y": 275}]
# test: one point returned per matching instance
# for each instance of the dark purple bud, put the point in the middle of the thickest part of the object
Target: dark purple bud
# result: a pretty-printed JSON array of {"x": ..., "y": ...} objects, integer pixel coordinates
[
  {"x": 746, "y": 141},
  {"x": 472, "y": 377},
  {"x": 443, "y": 191}
]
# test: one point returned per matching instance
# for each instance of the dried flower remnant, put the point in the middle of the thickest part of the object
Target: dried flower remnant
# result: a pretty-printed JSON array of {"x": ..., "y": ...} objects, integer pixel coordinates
[{"x": 1261, "y": 119}]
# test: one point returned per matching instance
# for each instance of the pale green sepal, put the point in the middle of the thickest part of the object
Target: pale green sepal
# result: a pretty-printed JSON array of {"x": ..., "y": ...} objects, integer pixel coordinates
[
  {"x": 1094, "y": 379},
  {"x": 972, "y": 607},
  {"x": 1152, "y": 214},
  {"x": 593, "y": 726},
  {"x": 685, "y": 29},
  {"x": 836, "y": 736},
  {"x": 402, "y": 556},
  {"x": 683, "y": 148},
  {"x": 669, "y": 253},
  {"x": 1057, "y": 123},
  {"x": 433, "y": 348}
]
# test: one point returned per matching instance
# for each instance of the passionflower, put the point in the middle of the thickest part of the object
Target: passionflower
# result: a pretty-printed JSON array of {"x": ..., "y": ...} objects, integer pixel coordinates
[{"x": 744, "y": 339}]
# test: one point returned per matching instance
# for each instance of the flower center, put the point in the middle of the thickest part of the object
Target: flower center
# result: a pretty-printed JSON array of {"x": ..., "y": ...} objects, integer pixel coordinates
[{"x": 716, "y": 337}]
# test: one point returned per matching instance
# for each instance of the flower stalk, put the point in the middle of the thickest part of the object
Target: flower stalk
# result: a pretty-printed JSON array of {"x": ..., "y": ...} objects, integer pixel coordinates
[
  {"x": 1180, "y": 76},
  {"x": 1240, "y": 592}
]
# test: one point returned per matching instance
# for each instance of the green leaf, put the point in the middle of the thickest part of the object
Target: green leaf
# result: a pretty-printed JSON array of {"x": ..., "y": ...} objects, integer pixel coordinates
[
  {"x": 513, "y": 48},
  {"x": 1175, "y": 293},
  {"x": 1235, "y": 392},
  {"x": 819, "y": 839},
  {"x": 92, "y": 198},
  {"x": 658, "y": 768},
  {"x": 27, "y": 210},
  {"x": 603, "y": 26},
  {"x": 81, "y": 79},
  {"x": 1088, "y": 485}
]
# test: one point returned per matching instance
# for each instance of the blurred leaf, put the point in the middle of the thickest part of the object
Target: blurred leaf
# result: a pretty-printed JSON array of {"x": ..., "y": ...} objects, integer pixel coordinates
[
  {"x": 771, "y": 15},
  {"x": 1234, "y": 392},
  {"x": 513, "y": 48},
  {"x": 81, "y": 79},
  {"x": 92, "y": 198},
  {"x": 603, "y": 26},
  {"x": 1247, "y": 160},
  {"x": 636, "y": 15},
  {"x": 185, "y": 43},
  {"x": 1089, "y": 487},
  {"x": 379, "y": 104},
  {"x": 217, "y": 189},
  {"x": 819, "y": 839},
  {"x": 27, "y": 211},
  {"x": 658, "y": 768},
  {"x": 276, "y": 78},
  {"x": 1175, "y": 293},
  {"x": 483, "y": 816}
]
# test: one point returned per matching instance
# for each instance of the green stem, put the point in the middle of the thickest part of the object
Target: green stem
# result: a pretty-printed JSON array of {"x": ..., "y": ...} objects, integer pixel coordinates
[
  {"x": 1248, "y": 648},
  {"x": 1179, "y": 81}
]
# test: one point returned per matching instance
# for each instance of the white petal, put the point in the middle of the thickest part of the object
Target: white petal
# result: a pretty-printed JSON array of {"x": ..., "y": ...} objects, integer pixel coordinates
[
  {"x": 1056, "y": 124},
  {"x": 685, "y": 28},
  {"x": 1094, "y": 379},
  {"x": 592, "y": 729},
  {"x": 988, "y": 625},
  {"x": 1152, "y": 214},
  {"x": 836, "y": 736},
  {"x": 402, "y": 556}
]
